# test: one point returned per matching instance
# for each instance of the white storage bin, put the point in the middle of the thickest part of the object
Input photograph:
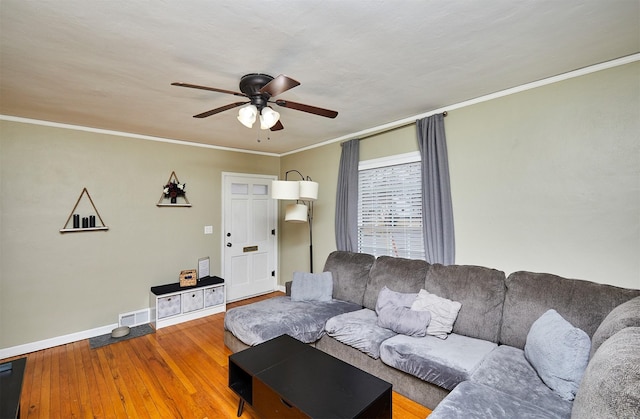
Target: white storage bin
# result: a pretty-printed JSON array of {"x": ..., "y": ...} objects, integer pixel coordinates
[
  {"x": 168, "y": 306},
  {"x": 192, "y": 301}
]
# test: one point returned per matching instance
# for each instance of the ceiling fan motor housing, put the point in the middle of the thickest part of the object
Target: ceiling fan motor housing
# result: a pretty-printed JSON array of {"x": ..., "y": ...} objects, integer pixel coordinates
[{"x": 250, "y": 85}]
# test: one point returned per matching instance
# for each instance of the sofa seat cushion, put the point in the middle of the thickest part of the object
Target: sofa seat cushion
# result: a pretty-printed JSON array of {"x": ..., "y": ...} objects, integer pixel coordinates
[
  {"x": 507, "y": 370},
  {"x": 264, "y": 320},
  {"x": 445, "y": 363},
  {"x": 359, "y": 329},
  {"x": 471, "y": 400}
]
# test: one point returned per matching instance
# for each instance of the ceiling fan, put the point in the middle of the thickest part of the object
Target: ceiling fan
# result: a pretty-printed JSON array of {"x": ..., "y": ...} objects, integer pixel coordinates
[{"x": 260, "y": 89}]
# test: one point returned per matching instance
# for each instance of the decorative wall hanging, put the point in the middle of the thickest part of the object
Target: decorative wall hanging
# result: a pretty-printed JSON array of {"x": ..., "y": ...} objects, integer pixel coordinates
[
  {"x": 87, "y": 223},
  {"x": 174, "y": 192}
]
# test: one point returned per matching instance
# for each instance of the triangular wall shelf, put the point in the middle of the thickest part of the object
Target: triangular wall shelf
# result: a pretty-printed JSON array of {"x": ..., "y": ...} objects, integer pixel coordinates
[
  {"x": 163, "y": 200},
  {"x": 66, "y": 228}
]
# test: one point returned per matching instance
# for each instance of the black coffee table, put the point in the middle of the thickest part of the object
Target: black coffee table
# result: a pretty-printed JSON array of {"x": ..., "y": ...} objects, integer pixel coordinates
[
  {"x": 11, "y": 378},
  {"x": 286, "y": 378}
]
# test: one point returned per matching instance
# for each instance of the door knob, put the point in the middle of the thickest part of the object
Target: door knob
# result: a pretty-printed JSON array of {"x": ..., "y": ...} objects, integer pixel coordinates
[
  {"x": 229, "y": 244},
  {"x": 228, "y": 234}
]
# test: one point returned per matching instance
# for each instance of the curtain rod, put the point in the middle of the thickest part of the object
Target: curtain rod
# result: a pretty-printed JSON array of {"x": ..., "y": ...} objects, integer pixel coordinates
[{"x": 444, "y": 114}]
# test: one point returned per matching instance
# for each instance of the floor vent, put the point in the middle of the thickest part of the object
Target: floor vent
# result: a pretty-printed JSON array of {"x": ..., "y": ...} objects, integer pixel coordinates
[{"x": 134, "y": 318}]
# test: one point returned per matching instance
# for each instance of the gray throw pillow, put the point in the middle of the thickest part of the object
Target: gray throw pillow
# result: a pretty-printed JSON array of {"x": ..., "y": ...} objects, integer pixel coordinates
[
  {"x": 558, "y": 352},
  {"x": 387, "y": 297},
  {"x": 311, "y": 287},
  {"x": 403, "y": 320}
]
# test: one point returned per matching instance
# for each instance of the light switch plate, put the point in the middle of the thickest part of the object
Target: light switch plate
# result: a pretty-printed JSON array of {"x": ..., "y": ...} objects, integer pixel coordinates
[{"x": 208, "y": 229}]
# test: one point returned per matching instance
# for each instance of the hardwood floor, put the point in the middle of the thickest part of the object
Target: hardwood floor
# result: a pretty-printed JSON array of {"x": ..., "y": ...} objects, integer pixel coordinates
[{"x": 180, "y": 371}]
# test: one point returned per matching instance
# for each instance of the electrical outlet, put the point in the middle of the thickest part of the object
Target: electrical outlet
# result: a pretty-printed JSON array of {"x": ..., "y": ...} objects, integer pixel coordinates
[{"x": 208, "y": 229}]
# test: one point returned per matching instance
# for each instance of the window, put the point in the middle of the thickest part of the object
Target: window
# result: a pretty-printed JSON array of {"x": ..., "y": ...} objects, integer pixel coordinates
[{"x": 390, "y": 207}]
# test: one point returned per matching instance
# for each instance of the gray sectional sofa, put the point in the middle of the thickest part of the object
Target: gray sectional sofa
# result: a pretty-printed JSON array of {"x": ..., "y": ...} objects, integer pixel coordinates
[{"x": 493, "y": 364}]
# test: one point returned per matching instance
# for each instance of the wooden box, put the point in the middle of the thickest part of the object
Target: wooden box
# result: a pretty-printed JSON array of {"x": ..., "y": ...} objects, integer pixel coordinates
[{"x": 188, "y": 278}]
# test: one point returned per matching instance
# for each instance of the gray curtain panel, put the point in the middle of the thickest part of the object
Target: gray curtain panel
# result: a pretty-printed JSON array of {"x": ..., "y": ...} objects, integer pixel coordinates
[
  {"x": 437, "y": 211},
  {"x": 347, "y": 197}
]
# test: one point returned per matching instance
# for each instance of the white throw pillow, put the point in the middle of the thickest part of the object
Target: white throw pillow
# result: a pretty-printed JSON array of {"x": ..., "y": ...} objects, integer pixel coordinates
[{"x": 443, "y": 313}]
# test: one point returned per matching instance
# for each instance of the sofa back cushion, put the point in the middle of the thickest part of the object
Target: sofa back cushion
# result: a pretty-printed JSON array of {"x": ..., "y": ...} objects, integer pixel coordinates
[
  {"x": 350, "y": 273},
  {"x": 625, "y": 315},
  {"x": 481, "y": 292},
  {"x": 609, "y": 387},
  {"x": 397, "y": 274},
  {"x": 582, "y": 303}
]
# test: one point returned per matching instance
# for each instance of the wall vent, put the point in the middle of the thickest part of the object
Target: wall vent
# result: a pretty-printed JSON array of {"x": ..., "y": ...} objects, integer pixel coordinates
[{"x": 134, "y": 318}]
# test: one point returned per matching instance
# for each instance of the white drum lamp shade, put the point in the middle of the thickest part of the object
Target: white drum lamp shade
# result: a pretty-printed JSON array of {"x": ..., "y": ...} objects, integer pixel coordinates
[
  {"x": 285, "y": 189},
  {"x": 308, "y": 190},
  {"x": 296, "y": 213}
]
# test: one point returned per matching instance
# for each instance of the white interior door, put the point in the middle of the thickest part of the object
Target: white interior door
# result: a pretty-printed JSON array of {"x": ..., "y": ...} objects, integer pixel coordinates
[{"x": 249, "y": 225}]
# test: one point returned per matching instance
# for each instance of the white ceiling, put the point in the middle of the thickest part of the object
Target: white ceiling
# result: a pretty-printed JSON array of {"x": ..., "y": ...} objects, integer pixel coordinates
[{"x": 109, "y": 64}]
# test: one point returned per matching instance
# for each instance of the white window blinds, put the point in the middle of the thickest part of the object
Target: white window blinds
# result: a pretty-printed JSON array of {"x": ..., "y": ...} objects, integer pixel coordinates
[{"x": 390, "y": 211}]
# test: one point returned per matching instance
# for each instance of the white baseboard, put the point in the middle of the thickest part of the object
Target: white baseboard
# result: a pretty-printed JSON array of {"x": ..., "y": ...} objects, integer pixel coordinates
[
  {"x": 59, "y": 340},
  {"x": 62, "y": 340}
]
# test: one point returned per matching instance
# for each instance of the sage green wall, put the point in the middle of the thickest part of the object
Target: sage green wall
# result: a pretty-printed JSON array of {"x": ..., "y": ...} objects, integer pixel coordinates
[
  {"x": 54, "y": 284},
  {"x": 544, "y": 180},
  {"x": 549, "y": 179}
]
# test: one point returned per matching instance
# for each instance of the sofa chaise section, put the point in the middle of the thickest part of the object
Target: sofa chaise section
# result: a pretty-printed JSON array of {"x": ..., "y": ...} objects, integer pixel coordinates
[
  {"x": 267, "y": 319},
  {"x": 255, "y": 323}
]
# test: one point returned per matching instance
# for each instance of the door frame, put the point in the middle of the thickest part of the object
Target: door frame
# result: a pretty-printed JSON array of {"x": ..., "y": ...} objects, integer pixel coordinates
[{"x": 276, "y": 213}]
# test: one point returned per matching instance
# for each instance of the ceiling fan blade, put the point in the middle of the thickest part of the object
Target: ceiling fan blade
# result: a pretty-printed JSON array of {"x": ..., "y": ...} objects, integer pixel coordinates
[
  {"x": 213, "y": 89},
  {"x": 278, "y": 85},
  {"x": 220, "y": 109},
  {"x": 307, "y": 108},
  {"x": 277, "y": 127}
]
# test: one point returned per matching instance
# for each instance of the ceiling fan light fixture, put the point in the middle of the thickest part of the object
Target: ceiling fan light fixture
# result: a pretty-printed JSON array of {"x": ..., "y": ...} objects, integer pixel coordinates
[
  {"x": 268, "y": 118},
  {"x": 259, "y": 90},
  {"x": 247, "y": 115}
]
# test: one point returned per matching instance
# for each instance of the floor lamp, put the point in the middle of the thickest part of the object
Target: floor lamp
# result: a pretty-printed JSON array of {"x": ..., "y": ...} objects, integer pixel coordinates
[{"x": 304, "y": 192}]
